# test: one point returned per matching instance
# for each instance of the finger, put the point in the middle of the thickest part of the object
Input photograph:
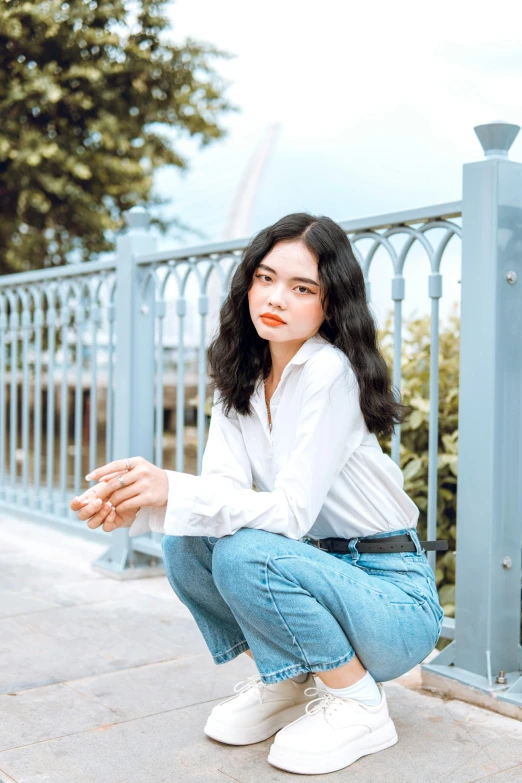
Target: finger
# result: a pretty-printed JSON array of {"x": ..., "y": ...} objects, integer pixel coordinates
[
  {"x": 85, "y": 497},
  {"x": 90, "y": 509},
  {"x": 110, "y": 476},
  {"x": 114, "y": 486},
  {"x": 100, "y": 517},
  {"x": 129, "y": 497},
  {"x": 125, "y": 506},
  {"x": 110, "y": 523},
  {"x": 116, "y": 466},
  {"x": 93, "y": 505}
]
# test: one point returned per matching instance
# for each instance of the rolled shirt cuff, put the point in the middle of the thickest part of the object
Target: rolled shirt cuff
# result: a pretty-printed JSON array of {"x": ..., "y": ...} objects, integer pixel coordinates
[
  {"x": 172, "y": 519},
  {"x": 148, "y": 519}
]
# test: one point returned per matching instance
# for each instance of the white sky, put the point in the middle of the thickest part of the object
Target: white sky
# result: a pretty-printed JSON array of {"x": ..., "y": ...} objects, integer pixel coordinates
[{"x": 376, "y": 101}]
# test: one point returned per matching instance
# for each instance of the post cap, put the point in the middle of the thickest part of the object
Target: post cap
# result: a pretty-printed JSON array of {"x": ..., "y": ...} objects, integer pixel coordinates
[
  {"x": 496, "y": 138},
  {"x": 137, "y": 219}
]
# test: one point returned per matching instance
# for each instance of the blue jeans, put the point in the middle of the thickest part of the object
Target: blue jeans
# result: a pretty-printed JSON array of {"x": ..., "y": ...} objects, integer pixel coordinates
[{"x": 301, "y": 609}]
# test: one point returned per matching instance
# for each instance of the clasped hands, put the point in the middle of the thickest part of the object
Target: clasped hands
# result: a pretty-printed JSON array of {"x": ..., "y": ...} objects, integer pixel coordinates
[{"x": 112, "y": 505}]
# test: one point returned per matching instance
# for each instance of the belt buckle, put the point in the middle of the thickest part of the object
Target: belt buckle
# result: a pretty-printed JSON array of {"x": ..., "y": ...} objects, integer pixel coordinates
[{"x": 322, "y": 546}]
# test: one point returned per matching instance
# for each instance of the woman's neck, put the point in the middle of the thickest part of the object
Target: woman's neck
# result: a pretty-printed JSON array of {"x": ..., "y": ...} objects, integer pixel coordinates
[{"x": 281, "y": 354}]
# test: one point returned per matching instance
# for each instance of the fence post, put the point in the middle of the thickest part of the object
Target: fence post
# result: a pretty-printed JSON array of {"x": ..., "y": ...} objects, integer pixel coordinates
[
  {"x": 134, "y": 378},
  {"x": 486, "y": 654}
]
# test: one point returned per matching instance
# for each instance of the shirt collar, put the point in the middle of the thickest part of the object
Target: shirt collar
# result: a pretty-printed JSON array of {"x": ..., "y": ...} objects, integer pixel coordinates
[{"x": 308, "y": 348}]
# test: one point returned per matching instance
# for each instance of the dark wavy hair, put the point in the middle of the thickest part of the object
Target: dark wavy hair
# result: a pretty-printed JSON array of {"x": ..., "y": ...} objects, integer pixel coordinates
[{"x": 238, "y": 356}]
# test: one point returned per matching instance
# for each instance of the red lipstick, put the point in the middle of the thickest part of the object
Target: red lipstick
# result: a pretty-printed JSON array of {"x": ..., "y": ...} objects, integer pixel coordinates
[{"x": 270, "y": 319}]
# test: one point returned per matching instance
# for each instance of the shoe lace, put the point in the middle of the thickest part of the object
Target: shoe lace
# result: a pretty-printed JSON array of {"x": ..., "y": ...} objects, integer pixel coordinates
[
  {"x": 325, "y": 701},
  {"x": 244, "y": 685}
]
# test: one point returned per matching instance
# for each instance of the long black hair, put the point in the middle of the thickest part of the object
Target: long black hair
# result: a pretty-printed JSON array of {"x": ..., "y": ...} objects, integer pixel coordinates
[{"x": 238, "y": 356}]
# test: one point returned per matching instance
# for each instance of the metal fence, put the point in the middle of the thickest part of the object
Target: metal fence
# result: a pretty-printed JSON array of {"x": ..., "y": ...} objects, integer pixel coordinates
[{"x": 94, "y": 357}]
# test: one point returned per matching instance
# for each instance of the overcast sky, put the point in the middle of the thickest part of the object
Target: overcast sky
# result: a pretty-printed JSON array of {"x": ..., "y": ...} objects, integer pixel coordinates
[{"x": 376, "y": 104}]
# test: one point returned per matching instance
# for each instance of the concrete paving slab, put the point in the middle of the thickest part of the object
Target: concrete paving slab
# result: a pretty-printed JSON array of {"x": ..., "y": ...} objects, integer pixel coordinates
[
  {"x": 54, "y": 711},
  {"x": 14, "y": 602},
  {"x": 165, "y": 748},
  {"x": 45, "y": 713},
  {"x": 73, "y": 593},
  {"x": 499, "y": 738},
  {"x": 5, "y": 778},
  {"x": 513, "y": 775},
  {"x": 71, "y": 642},
  {"x": 40, "y": 543},
  {"x": 160, "y": 687},
  {"x": 40, "y": 575}
]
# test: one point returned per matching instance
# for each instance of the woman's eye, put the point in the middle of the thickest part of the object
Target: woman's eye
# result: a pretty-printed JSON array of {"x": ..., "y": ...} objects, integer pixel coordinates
[{"x": 305, "y": 290}]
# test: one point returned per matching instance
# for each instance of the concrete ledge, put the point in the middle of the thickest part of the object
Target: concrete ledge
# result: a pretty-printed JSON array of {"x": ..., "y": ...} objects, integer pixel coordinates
[{"x": 452, "y": 689}]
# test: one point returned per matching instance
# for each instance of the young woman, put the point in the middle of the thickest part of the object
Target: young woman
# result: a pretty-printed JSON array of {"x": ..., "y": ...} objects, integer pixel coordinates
[{"x": 270, "y": 547}]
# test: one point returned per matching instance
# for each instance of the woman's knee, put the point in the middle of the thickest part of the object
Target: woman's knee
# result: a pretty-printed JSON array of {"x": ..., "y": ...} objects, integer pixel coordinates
[
  {"x": 182, "y": 553},
  {"x": 234, "y": 558}
]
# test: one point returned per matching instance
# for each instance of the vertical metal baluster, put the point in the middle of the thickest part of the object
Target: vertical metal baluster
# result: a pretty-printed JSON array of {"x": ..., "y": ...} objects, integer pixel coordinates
[
  {"x": 93, "y": 402},
  {"x": 202, "y": 379},
  {"x": 181, "y": 309},
  {"x": 26, "y": 326},
  {"x": 13, "y": 423},
  {"x": 37, "y": 400},
  {"x": 368, "y": 287},
  {"x": 160, "y": 310},
  {"x": 397, "y": 296},
  {"x": 64, "y": 330},
  {"x": 50, "y": 504},
  {"x": 109, "y": 407},
  {"x": 78, "y": 397},
  {"x": 435, "y": 292},
  {"x": 3, "y": 329}
]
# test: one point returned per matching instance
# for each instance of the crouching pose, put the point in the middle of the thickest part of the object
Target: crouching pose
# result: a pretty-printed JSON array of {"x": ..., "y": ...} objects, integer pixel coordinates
[{"x": 297, "y": 544}]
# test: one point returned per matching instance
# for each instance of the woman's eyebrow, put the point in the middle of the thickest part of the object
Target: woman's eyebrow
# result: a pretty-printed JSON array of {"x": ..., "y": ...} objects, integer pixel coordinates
[{"x": 297, "y": 279}]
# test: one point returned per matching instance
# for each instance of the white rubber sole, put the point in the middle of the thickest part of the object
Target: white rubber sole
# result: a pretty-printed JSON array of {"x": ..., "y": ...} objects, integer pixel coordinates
[
  {"x": 317, "y": 763},
  {"x": 237, "y": 735}
]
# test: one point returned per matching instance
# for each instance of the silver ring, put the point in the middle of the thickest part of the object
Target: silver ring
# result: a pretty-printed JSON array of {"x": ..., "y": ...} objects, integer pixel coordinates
[
  {"x": 127, "y": 462},
  {"x": 120, "y": 479}
]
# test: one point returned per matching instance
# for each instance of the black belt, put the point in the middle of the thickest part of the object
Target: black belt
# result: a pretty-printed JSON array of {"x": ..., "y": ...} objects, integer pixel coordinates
[{"x": 399, "y": 543}]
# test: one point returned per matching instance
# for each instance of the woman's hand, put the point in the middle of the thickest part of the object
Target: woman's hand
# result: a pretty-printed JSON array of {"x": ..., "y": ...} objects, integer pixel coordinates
[
  {"x": 101, "y": 512},
  {"x": 145, "y": 485}
]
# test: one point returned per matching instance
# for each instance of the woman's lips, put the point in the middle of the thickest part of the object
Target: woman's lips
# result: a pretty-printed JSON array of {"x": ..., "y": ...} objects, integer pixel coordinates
[{"x": 272, "y": 321}]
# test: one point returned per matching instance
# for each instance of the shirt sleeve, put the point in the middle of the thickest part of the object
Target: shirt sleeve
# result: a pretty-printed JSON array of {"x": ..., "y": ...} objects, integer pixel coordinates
[
  {"x": 221, "y": 501},
  {"x": 225, "y": 457}
]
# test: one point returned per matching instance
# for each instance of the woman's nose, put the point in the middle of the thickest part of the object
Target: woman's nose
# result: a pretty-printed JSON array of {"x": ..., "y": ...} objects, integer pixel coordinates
[{"x": 276, "y": 298}]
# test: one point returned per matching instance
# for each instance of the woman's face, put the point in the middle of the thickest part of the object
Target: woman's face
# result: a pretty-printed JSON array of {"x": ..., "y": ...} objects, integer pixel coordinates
[{"x": 286, "y": 284}]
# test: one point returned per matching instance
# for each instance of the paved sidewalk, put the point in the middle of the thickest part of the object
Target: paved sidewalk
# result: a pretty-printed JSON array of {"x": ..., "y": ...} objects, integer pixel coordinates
[{"x": 105, "y": 681}]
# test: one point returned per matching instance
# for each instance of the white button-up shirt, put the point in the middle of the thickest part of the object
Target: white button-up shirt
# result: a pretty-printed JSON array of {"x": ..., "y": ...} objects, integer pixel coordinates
[{"x": 320, "y": 472}]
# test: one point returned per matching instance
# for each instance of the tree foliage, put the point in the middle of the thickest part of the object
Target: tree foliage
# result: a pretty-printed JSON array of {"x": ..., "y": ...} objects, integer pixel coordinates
[{"x": 87, "y": 90}]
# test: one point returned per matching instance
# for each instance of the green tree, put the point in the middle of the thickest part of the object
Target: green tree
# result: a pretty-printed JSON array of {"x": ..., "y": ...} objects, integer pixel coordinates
[{"x": 86, "y": 89}]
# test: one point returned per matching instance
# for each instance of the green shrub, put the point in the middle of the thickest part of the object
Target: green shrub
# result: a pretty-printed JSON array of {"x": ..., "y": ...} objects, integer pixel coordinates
[{"x": 415, "y": 387}]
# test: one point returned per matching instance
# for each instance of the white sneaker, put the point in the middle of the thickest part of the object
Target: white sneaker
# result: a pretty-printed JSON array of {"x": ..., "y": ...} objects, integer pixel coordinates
[
  {"x": 258, "y": 710},
  {"x": 332, "y": 734}
]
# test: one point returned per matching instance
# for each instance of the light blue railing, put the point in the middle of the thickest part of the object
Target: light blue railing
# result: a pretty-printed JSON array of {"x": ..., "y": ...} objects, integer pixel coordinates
[{"x": 105, "y": 346}]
